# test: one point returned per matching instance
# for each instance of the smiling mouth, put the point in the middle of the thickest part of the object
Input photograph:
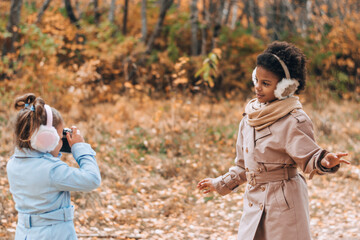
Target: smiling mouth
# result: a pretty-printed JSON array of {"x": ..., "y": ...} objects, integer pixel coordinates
[{"x": 259, "y": 95}]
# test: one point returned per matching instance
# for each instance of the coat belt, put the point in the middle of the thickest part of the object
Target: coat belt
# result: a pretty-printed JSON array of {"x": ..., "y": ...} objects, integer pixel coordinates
[
  {"x": 286, "y": 173},
  {"x": 45, "y": 219}
]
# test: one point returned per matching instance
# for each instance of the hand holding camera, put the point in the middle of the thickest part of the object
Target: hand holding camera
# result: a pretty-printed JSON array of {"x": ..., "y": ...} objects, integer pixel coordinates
[{"x": 70, "y": 137}]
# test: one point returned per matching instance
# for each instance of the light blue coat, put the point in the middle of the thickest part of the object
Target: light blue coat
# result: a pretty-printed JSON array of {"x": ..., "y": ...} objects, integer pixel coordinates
[{"x": 40, "y": 185}]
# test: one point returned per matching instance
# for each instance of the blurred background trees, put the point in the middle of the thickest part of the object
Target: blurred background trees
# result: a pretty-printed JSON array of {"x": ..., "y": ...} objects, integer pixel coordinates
[{"x": 106, "y": 48}]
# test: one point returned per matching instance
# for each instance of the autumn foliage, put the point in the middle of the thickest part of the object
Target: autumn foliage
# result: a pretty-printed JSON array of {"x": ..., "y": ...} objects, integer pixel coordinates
[
  {"x": 162, "y": 120},
  {"x": 99, "y": 60}
]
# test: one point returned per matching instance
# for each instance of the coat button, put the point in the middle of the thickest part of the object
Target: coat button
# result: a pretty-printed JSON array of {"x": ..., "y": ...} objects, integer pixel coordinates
[
  {"x": 250, "y": 204},
  {"x": 247, "y": 150},
  {"x": 262, "y": 188},
  {"x": 259, "y": 169},
  {"x": 247, "y": 169},
  {"x": 261, "y": 206}
]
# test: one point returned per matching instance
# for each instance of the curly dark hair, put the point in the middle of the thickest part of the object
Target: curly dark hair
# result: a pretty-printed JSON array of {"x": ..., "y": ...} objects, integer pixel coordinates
[{"x": 292, "y": 56}]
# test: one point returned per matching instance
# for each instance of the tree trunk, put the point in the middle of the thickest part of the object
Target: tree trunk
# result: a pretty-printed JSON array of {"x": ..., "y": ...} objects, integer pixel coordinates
[
  {"x": 251, "y": 11},
  {"x": 277, "y": 19},
  {"x": 228, "y": 10},
  {"x": 217, "y": 24},
  {"x": 12, "y": 26},
  {"x": 257, "y": 14},
  {"x": 245, "y": 13},
  {"x": 70, "y": 13},
  {"x": 234, "y": 16},
  {"x": 304, "y": 16},
  {"x": 79, "y": 9},
  {"x": 284, "y": 20},
  {"x": 143, "y": 21},
  {"x": 308, "y": 11},
  {"x": 341, "y": 7},
  {"x": 204, "y": 28},
  {"x": 42, "y": 10},
  {"x": 330, "y": 8},
  {"x": 295, "y": 24},
  {"x": 194, "y": 27},
  {"x": 126, "y": 8},
  {"x": 112, "y": 11},
  {"x": 165, "y": 5},
  {"x": 211, "y": 7},
  {"x": 271, "y": 18},
  {"x": 253, "y": 19},
  {"x": 96, "y": 12}
]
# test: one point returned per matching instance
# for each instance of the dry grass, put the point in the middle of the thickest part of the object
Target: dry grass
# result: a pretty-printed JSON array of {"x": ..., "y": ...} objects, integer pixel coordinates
[{"x": 153, "y": 152}]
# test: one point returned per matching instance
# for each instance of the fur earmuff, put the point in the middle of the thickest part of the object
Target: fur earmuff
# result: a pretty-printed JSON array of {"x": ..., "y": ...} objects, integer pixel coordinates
[
  {"x": 286, "y": 88},
  {"x": 46, "y": 138},
  {"x": 254, "y": 76}
]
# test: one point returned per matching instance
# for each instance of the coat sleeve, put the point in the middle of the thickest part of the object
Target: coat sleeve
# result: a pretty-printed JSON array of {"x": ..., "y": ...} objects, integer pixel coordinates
[
  {"x": 85, "y": 178},
  {"x": 236, "y": 176},
  {"x": 302, "y": 148}
]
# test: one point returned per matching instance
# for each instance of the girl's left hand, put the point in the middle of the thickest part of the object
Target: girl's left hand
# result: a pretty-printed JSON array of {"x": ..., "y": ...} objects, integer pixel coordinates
[
  {"x": 206, "y": 185},
  {"x": 75, "y": 137},
  {"x": 333, "y": 159}
]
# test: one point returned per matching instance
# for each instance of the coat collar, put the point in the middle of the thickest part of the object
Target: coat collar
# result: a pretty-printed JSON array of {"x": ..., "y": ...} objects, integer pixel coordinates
[{"x": 28, "y": 153}]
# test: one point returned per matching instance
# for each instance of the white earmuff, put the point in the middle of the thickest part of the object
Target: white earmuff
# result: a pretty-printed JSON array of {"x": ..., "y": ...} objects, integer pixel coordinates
[
  {"x": 46, "y": 138},
  {"x": 254, "y": 76},
  {"x": 286, "y": 87}
]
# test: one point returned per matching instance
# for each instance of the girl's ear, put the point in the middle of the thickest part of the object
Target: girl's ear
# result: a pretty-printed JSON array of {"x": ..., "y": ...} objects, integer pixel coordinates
[{"x": 286, "y": 88}]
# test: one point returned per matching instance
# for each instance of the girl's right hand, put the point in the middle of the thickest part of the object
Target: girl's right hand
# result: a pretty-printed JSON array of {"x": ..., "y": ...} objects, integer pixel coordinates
[
  {"x": 74, "y": 137},
  {"x": 206, "y": 185}
]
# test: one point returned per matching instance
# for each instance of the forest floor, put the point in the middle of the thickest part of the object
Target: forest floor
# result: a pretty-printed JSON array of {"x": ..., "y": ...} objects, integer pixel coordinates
[{"x": 152, "y": 153}]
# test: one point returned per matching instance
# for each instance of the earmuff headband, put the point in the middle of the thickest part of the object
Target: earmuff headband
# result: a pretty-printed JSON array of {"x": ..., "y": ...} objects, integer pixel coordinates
[{"x": 286, "y": 70}]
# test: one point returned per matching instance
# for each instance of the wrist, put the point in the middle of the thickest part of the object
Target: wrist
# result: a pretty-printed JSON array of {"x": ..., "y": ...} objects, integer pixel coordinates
[{"x": 324, "y": 163}]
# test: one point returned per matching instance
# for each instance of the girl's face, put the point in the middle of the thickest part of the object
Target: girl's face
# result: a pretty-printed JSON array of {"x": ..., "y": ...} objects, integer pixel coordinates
[
  {"x": 59, "y": 130},
  {"x": 266, "y": 84}
]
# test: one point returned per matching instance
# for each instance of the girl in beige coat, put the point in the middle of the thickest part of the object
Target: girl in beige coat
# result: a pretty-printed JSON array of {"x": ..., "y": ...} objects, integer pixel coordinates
[{"x": 275, "y": 138}]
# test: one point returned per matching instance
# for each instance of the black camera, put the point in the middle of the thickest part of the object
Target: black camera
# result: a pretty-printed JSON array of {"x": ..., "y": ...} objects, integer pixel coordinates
[{"x": 66, "y": 147}]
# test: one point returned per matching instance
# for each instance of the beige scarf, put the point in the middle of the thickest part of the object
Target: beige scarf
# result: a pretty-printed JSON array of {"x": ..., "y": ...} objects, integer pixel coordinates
[{"x": 262, "y": 115}]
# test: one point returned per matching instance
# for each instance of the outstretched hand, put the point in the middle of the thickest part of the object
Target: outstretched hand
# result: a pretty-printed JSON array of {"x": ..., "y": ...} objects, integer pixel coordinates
[
  {"x": 206, "y": 185},
  {"x": 332, "y": 159}
]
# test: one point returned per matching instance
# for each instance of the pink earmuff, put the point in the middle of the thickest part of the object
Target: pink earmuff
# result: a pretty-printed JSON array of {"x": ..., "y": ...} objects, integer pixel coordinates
[{"x": 46, "y": 138}]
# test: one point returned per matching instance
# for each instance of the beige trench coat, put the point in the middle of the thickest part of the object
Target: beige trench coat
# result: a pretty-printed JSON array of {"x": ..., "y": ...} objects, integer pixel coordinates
[{"x": 276, "y": 200}]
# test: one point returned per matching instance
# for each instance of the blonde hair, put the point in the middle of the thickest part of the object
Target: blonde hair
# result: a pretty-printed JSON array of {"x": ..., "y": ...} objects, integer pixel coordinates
[{"x": 32, "y": 114}]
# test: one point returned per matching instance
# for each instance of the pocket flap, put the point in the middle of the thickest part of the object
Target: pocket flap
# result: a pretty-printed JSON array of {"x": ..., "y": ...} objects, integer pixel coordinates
[{"x": 262, "y": 133}]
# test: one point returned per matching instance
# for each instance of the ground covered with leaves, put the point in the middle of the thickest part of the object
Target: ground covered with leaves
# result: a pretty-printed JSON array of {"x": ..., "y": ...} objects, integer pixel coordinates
[{"x": 152, "y": 153}]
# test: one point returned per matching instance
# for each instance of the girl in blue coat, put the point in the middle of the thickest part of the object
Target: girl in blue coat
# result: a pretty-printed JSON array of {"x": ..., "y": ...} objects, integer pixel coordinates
[{"x": 39, "y": 181}]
